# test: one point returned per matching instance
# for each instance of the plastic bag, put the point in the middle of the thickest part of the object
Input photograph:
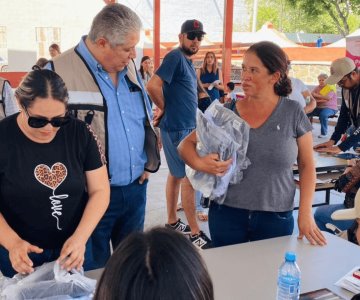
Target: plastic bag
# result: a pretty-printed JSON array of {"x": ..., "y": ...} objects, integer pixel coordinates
[
  {"x": 48, "y": 282},
  {"x": 220, "y": 131}
]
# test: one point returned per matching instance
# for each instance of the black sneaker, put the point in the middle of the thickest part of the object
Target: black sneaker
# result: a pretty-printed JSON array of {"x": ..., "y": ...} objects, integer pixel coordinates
[
  {"x": 201, "y": 241},
  {"x": 179, "y": 226}
]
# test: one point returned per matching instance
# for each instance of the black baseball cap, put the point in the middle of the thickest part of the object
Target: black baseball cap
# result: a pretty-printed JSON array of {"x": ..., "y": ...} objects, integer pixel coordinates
[{"x": 192, "y": 26}]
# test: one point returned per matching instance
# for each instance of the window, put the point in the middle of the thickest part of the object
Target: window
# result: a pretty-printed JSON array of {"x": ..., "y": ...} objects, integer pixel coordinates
[{"x": 45, "y": 36}]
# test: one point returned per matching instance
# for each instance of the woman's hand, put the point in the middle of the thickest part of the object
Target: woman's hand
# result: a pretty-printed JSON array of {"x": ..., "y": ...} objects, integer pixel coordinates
[
  {"x": 309, "y": 229},
  {"x": 18, "y": 255},
  {"x": 212, "y": 165},
  {"x": 72, "y": 253}
]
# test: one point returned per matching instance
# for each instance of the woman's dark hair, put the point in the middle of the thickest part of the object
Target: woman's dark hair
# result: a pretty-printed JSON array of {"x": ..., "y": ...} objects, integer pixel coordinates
[
  {"x": 43, "y": 84},
  {"x": 142, "y": 72},
  {"x": 56, "y": 47},
  {"x": 274, "y": 59},
  {"x": 158, "y": 264},
  {"x": 41, "y": 62}
]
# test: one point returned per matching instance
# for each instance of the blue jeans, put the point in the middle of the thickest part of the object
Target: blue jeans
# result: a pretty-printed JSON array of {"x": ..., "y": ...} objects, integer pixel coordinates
[
  {"x": 229, "y": 226},
  {"x": 323, "y": 215},
  {"x": 324, "y": 114},
  {"x": 48, "y": 255},
  {"x": 125, "y": 214}
]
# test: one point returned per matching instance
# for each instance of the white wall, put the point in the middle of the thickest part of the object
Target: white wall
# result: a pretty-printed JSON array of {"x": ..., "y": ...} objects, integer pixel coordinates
[{"x": 21, "y": 17}]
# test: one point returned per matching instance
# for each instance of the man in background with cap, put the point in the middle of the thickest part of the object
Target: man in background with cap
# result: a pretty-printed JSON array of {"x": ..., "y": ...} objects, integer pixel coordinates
[
  {"x": 347, "y": 76},
  {"x": 173, "y": 89}
]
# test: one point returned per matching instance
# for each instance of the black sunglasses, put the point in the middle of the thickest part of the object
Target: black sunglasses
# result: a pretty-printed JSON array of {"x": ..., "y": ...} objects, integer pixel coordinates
[
  {"x": 36, "y": 122},
  {"x": 192, "y": 35}
]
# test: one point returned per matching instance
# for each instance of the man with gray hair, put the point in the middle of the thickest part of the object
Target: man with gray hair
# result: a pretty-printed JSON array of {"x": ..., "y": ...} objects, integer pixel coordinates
[{"x": 106, "y": 91}]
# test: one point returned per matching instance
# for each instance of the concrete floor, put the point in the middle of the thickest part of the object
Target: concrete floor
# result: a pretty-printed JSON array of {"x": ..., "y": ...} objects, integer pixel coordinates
[{"x": 156, "y": 203}]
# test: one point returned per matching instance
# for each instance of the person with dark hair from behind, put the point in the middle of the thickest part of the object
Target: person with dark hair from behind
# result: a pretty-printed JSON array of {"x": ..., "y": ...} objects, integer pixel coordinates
[
  {"x": 41, "y": 62},
  {"x": 54, "y": 50},
  {"x": 54, "y": 187},
  {"x": 230, "y": 93},
  {"x": 153, "y": 265},
  {"x": 261, "y": 205}
]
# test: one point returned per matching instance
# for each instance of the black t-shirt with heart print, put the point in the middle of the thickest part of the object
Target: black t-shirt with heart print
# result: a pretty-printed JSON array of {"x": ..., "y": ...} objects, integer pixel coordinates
[{"x": 42, "y": 186}]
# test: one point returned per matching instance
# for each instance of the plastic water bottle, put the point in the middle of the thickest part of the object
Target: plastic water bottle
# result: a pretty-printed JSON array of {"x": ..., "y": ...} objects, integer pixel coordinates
[{"x": 288, "y": 286}]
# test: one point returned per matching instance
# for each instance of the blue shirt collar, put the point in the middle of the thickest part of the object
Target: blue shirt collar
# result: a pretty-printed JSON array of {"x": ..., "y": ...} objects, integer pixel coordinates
[{"x": 94, "y": 65}]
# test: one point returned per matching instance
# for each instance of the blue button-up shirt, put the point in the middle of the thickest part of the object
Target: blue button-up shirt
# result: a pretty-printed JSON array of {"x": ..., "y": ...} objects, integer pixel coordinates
[{"x": 125, "y": 121}]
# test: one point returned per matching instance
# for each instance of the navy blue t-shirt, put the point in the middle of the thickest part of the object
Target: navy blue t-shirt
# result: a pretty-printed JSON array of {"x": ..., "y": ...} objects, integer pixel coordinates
[
  {"x": 42, "y": 185},
  {"x": 180, "y": 91}
]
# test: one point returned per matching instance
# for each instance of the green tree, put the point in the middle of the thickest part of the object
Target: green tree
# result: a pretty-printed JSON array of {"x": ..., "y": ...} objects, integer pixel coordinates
[
  {"x": 307, "y": 15},
  {"x": 288, "y": 19},
  {"x": 341, "y": 12}
]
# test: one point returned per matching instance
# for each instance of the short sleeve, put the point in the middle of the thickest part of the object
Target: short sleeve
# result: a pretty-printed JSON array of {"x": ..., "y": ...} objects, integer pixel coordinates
[
  {"x": 169, "y": 66},
  {"x": 94, "y": 156},
  {"x": 303, "y": 123}
]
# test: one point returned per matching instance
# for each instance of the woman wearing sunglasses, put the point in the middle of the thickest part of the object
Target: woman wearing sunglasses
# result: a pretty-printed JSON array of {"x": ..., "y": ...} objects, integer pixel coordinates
[{"x": 53, "y": 180}]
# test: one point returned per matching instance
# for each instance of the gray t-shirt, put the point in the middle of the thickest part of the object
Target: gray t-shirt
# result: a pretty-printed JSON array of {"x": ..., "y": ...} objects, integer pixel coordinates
[{"x": 268, "y": 183}]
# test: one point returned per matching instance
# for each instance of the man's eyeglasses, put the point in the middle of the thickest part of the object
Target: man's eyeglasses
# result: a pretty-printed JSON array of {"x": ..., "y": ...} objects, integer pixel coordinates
[
  {"x": 39, "y": 122},
  {"x": 343, "y": 80},
  {"x": 192, "y": 35}
]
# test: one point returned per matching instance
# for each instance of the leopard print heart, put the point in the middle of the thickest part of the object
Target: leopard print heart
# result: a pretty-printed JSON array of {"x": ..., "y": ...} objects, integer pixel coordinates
[{"x": 51, "y": 178}]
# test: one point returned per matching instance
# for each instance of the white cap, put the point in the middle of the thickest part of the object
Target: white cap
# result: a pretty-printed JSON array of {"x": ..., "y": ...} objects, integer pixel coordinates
[
  {"x": 350, "y": 213},
  {"x": 339, "y": 68}
]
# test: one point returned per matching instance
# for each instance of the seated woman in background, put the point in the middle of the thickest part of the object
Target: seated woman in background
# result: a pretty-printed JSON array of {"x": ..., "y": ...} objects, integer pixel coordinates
[
  {"x": 261, "y": 205},
  {"x": 54, "y": 186},
  {"x": 210, "y": 76},
  {"x": 158, "y": 264},
  {"x": 326, "y": 100},
  {"x": 146, "y": 69},
  {"x": 54, "y": 50}
]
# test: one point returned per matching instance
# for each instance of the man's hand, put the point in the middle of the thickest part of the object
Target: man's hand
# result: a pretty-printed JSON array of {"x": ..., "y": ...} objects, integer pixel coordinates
[
  {"x": 324, "y": 145},
  {"x": 143, "y": 177},
  {"x": 330, "y": 150},
  {"x": 158, "y": 114},
  {"x": 72, "y": 253},
  {"x": 18, "y": 255}
]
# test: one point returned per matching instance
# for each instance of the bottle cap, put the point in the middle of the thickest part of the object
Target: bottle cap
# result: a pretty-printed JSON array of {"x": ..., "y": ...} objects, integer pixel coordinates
[{"x": 290, "y": 256}]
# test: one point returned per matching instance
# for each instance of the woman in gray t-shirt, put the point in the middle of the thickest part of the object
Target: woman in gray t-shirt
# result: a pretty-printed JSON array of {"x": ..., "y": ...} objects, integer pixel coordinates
[{"x": 261, "y": 205}]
